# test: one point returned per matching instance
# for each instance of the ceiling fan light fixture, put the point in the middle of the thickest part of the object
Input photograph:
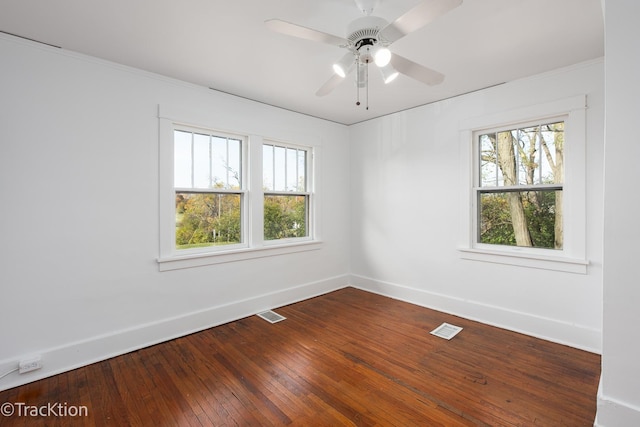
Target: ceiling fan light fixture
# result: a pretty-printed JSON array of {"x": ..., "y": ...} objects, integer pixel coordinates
[
  {"x": 389, "y": 73},
  {"x": 367, "y": 40},
  {"x": 342, "y": 67},
  {"x": 381, "y": 56}
]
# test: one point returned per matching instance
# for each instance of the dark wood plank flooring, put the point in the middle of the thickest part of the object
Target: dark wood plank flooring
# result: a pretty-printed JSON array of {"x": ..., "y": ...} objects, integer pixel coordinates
[{"x": 346, "y": 358}]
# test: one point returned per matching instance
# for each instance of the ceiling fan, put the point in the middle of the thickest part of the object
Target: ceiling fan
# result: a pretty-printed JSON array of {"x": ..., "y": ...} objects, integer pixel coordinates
[{"x": 368, "y": 40}]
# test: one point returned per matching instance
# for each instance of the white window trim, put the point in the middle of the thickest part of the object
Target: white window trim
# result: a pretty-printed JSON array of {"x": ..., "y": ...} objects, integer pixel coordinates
[
  {"x": 572, "y": 258},
  {"x": 253, "y": 244},
  {"x": 211, "y": 258}
]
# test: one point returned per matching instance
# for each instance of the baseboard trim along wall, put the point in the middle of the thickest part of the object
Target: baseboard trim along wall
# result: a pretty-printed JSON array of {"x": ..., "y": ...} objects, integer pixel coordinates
[
  {"x": 73, "y": 355},
  {"x": 612, "y": 412},
  {"x": 95, "y": 349},
  {"x": 548, "y": 329}
]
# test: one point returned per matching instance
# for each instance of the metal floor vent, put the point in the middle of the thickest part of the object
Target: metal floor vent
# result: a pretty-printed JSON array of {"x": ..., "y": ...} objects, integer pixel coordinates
[
  {"x": 446, "y": 331},
  {"x": 271, "y": 316}
]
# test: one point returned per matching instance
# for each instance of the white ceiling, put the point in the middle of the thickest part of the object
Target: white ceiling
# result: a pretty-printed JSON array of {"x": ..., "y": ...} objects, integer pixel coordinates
[{"x": 224, "y": 45}]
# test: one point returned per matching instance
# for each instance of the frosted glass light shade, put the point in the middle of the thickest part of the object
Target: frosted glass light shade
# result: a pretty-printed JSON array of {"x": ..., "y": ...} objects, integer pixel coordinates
[
  {"x": 382, "y": 56},
  {"x": 343, "y": 66},
  {"x": 389, "y": 73}
]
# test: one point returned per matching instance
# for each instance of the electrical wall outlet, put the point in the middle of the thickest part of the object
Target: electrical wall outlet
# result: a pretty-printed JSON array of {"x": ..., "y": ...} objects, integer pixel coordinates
[{"x": 30, "y": 364}]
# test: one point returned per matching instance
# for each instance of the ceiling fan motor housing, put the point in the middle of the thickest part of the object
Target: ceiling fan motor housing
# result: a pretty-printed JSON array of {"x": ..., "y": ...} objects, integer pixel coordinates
[{"x": 363, "y": 35}]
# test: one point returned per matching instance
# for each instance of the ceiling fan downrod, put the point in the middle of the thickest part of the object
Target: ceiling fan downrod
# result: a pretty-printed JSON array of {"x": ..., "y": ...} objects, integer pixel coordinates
[{"x": 367, "y": 6}]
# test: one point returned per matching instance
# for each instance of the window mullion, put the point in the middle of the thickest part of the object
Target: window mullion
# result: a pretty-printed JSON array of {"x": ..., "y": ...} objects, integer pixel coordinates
[
  {"x": 512, "y": 188},
  {"x": 192, "y": 160},
  {"x": 227, "y": 161},
  {"x": 287, "y": 193},
  {"x": 516, "y": 153},
  {"x": 210, "y": 162},
  {"x": 497, "y": 165},
  {"x": 540, "y": 154},
  {"x": 286, "y": 169},
  {"x": 209, "y": 190},
  {"x": 297, "y": 170}
]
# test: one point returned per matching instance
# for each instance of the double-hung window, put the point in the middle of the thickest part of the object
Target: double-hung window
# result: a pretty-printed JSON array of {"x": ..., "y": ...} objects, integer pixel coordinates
[
  {"x": 524, "y": 186},
  {"x": 518, "y": 188},
  {"x": 209, "y": 190},
  {"x": 228, "y": 197},
  {"x": 287, "y": 199}
]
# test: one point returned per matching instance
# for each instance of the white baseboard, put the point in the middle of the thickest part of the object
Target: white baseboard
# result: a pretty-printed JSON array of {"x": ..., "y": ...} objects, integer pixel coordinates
[
  {"x": 548, "y": 329},
  {"x": 73, "y": 355},
  {"x": 613, "y": 413}
]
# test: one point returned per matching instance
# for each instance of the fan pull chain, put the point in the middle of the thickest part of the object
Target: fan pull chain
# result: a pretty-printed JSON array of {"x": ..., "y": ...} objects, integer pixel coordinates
[
  {"x": 358, "y": 82},
  {"x": 366, "y": 83}
]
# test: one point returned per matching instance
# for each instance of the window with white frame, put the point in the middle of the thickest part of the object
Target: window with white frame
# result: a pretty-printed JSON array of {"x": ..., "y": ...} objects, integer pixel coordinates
[
  {"x": 518, "y": 186},
  {"x": 228, "y": 197},
  {"x": 524, "y": 180},
  {"x": 285, "y": 182},
  {"x": 208, "y": 189}
]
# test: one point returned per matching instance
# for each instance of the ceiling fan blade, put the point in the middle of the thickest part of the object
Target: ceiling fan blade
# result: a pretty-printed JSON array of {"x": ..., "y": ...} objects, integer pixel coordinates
[
  {"x": 416, "y": 18},
  {"x": 416, "y": 71},
  {"x": 330, "y": 85},
  {"x": 299, "y": 31}
]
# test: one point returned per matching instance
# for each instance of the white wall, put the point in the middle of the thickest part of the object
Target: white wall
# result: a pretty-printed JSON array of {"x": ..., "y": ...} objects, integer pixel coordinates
[
  {"x": 79, "y": 217},
  {"x": 408, "y": 211},
  {"x": 619, "y": 398}
]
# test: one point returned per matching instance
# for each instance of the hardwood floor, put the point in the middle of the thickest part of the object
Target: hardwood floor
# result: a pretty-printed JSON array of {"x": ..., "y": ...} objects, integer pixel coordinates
[{"x": 345, "y": 358}]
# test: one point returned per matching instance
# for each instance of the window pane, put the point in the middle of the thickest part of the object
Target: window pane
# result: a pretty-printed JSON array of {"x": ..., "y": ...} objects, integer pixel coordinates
[
  {"x": 488, "y": 157},
  {"x": 279, "y": 163},
  {"x": 234, "y": 165},
  {"x": 521, "y": 218},
  {"x": 284, "y": 168},
  {"x": 507, "y": 160},
  {"x": 302, "y": 171},
  {"x": 267, "y": 167},
  {"x": 207, "y": 219},
  {"x": 201, "y": 164},
  {"x": 552, "y": 151},
  {"x": 528, "y": 155},
  {"x": 218, "y": 162},
  {"x": 207, "y": 161},
  {"x": 182, "y": 159},
  {"x": 292, "y": 170},
  {"x": 285, "y": 217}
]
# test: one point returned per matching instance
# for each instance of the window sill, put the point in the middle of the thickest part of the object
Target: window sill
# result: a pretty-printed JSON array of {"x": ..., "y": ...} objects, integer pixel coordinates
[
  {"x": 521, "y": 259},
  {"x": 201, "y": 259}
]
